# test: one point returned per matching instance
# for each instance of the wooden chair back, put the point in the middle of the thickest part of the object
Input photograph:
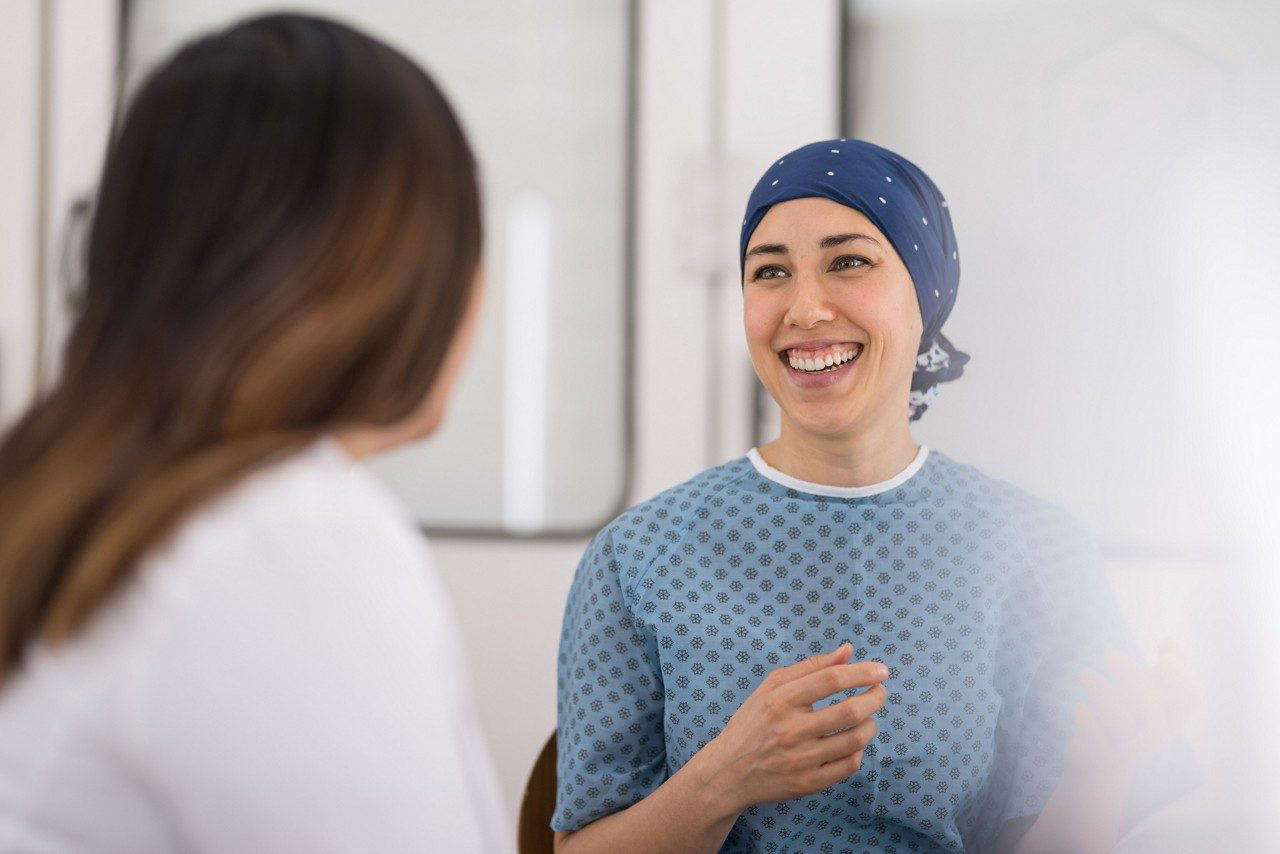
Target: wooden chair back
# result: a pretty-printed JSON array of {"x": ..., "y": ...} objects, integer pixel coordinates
[{"x": 534, "y": 834}]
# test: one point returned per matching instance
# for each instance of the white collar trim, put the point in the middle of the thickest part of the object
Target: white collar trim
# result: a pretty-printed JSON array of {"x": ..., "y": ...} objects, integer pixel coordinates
[{"x": 790, "y": 482}]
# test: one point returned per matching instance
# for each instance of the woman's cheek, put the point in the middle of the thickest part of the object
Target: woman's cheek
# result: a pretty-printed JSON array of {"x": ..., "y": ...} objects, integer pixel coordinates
[
  {"x": 899, "y": 335},
  {"x": 758, "y": 323}
]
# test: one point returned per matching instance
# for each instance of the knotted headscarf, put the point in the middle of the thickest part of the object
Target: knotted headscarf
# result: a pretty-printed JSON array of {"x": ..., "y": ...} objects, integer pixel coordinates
[{"x": 907, "y": 207}]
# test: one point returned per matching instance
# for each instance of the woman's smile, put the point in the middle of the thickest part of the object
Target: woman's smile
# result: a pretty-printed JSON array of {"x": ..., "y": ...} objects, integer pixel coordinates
[{"x": 819, "y": 364}]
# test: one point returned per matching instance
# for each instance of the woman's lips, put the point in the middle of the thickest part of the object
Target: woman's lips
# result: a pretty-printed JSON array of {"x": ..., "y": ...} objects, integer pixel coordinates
[{"x": 805, "y": 367}]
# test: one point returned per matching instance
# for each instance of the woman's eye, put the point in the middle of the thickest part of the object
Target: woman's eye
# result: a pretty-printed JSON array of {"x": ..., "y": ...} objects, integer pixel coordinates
[
  {"x": 849, "y": 262},
  {"x": 770, "y": 272}
]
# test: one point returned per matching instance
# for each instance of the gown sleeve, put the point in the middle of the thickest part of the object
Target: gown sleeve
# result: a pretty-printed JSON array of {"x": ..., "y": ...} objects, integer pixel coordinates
[
  {"x": 1059, "y": 615},
  {"x": 611, "y": 751}
]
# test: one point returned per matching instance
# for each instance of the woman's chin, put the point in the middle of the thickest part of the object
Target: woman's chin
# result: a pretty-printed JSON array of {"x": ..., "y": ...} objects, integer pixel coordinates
[{"x": 825, "y": 420}]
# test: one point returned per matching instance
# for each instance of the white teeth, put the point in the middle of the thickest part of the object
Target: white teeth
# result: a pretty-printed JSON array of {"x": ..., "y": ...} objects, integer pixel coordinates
[{"x": 821, "y": 363}]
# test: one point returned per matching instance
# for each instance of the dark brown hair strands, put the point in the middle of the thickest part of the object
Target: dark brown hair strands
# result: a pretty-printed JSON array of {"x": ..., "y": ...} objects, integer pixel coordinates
[{"x": 284, "y": 242}]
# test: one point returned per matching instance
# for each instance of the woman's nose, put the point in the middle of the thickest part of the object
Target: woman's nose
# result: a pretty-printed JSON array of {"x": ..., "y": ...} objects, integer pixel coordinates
[{"x": 808, "y": 304}]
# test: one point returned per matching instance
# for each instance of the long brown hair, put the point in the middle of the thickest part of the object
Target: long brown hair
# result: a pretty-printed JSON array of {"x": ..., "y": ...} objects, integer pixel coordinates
[{"x": 284, "y": 242}]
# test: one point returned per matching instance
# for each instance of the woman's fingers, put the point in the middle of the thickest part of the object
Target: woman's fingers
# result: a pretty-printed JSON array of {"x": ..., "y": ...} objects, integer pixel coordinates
[
  {"x": 846, "y": 713},
  {"x": 1131, "y": 678},
  {"x": 1153, "y": 693},
  {"x": 791, "y": 673},
  {"x": 1086, "y": 721},
  {"x": 1088, "y": 733},
  {"x": 1109, "y": 706},
  {"x": 1140, "y": 692},
  {"x": 821, "y": 684},
  {"x": 829, "y": 748},
  {"x": 774, "y": 744},
  {"x": 835, "y": 771}
]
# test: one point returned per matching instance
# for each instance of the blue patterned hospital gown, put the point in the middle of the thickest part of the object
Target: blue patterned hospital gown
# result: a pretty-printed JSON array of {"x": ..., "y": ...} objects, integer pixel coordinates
[{"x": 982, "y": 599}]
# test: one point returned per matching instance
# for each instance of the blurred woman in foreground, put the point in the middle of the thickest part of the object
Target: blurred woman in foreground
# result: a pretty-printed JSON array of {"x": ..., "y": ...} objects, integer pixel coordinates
[{"x": 217, "y": 632}]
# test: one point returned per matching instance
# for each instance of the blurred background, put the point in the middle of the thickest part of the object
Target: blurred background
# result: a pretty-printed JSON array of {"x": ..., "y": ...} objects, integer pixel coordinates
[{"x": 1111, "y": 169}]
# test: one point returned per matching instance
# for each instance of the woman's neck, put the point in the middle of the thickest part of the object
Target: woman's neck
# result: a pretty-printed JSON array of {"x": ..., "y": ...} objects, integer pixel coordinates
[{"x": 858, "y": 459}]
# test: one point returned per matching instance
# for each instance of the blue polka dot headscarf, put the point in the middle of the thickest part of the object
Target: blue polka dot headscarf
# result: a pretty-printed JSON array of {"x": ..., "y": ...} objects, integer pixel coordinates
[{"x": 907, "y": 207}]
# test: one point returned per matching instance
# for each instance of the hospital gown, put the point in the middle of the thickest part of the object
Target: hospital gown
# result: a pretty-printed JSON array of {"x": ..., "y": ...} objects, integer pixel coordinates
[{"x": 982, "y": 600}]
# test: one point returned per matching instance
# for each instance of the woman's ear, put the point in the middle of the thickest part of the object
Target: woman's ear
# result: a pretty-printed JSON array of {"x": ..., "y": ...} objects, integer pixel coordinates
[{"x": 428, "y": 417}]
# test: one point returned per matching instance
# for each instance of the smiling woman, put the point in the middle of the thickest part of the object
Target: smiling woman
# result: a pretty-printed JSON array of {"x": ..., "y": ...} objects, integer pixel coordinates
[
  {"x": 815, "y": 355},
  {"x": 707, "y": 659},
  {"x": 810, "y": 302}
]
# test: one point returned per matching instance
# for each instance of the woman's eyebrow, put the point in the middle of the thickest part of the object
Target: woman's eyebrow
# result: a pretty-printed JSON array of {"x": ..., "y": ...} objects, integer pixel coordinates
[
  {"x": 768, "y": 249},
  {"x": 825, "y": 243},
  {"x": 837, "y": 239}
]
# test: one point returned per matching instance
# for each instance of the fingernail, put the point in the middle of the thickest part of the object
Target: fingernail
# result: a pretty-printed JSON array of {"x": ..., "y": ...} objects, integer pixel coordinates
[{"x": 883, "y": 671}]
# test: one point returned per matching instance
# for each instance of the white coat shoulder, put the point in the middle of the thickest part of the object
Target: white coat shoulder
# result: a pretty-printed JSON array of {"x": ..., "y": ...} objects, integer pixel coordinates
[{"x": 283, "y": 675}]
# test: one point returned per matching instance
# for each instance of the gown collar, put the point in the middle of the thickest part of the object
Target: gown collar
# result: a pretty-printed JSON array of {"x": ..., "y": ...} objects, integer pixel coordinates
[{"x": 795, "y": 483}]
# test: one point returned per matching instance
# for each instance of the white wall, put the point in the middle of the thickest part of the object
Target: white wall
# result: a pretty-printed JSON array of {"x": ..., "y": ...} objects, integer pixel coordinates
[
  {"x": 19, "y": 184},
  {"x": 56, "y": 90},
  {"x": 79, "y": 86}
]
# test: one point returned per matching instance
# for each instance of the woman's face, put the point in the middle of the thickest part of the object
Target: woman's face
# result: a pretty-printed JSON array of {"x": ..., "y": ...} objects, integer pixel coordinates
[
  {"x": 431, "y": 412},
  {"x": 831, "y": 318},
  {"x": 426, "y": 418}
]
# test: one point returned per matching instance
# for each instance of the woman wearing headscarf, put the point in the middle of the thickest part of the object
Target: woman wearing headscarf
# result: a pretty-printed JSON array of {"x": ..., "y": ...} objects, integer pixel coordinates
[
  {"x": 708, "y": 682},
  {"x": 218, "y": 632}
]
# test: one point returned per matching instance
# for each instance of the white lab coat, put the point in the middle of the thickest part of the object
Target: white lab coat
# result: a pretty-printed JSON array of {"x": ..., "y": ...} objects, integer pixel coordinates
[{"x": 283, "y": 675}]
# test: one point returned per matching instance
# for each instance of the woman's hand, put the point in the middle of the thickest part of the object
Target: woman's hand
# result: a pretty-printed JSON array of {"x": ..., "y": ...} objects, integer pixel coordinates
[
  {"x": 1131, "y": 712},
  {"x": 776, "y": 747}
]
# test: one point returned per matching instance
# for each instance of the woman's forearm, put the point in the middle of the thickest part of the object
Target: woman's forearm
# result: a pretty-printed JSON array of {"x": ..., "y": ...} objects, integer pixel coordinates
[
  {"x": 686, "y": 814},
  {"x": 1081, "y": 817}
]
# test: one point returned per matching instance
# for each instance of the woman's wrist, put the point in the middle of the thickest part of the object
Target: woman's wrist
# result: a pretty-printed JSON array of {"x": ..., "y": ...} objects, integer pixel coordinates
[
  {"x": 1105, "y": 773},
  {"x": 1083, "y": 814},
  {"x": 709, "y": 785},
  {"x": 688, "y": 812}
]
